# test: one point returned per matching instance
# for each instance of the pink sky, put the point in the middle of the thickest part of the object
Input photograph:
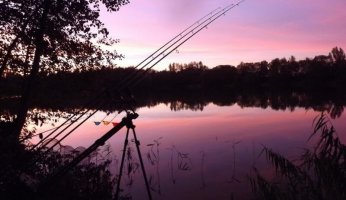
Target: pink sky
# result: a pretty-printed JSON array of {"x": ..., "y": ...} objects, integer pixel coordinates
[{"x": 256, "y": 30}]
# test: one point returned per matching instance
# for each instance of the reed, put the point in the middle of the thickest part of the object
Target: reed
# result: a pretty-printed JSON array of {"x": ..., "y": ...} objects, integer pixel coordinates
[{"x": 319, "y": 173}]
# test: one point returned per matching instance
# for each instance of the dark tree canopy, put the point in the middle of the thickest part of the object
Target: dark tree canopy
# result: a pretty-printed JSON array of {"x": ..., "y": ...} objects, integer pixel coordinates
[
  {"x": 52, "y": 35},
  {"x": 68, "y": 34},
  {"x": 338, "y": 55}
]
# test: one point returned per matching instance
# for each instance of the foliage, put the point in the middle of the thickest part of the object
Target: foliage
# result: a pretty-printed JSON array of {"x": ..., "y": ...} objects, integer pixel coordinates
[
  {"x": 45, "y": 36},
  {"x": 319, "y": 174},
  {"x": 88, "y": 180},
  {"x": 72, "y": 36},
  {"x": 322, "y": 72},
  {"x": 24, "y": 174}
]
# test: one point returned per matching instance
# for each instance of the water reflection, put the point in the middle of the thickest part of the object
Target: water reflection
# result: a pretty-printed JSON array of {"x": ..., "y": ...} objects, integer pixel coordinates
[
  {"x": 196, "y": 146},
  {"x": 230, "y": 139},
  {"x": 332, "y": 102},
  {"x": 288, "y": 101},
  {"x": 204, "y": 153}
]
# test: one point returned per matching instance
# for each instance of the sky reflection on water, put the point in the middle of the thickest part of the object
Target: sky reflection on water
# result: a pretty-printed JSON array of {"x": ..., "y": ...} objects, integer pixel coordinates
[{"x": 221, "y": 144}]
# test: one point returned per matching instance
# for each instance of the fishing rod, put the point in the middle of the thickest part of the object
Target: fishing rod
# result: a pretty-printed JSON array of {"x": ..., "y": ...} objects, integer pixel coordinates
[
  {"x": 193, "y": 33},
  {"x": 201, "y": 26},
  {"x": 175, "y": 37},
  {"x": 182, "y": 36},
  {"x": 71, "y": 120},
  {"x": 77, "y": 126},
  {"x": 40, "y": 134},
  {"x": 178, "y": 35},
  {"x": 124, "y": 80},
  {"x": 126, "y": 121},
  {"x": 69, "y": 133}
]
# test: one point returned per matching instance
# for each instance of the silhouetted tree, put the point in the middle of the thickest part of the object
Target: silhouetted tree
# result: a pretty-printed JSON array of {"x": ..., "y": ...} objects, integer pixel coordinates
[
  {"x": 58, "y": 35},
  {"x": 339, "y": 59},
  {"x": 263, "y": 68},
  {"x": 338, "y": 55},
  {"x": 221, "y": 75}
]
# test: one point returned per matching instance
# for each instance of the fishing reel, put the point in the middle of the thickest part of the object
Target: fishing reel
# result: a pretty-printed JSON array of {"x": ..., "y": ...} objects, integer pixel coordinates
[{"x": 130, "y": 115}]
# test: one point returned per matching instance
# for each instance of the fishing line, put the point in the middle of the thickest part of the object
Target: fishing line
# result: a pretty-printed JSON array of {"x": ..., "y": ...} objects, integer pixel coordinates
[
  {"x": 132, "y": 78},
  {"x": 126, "y": 121},
  {"x": 70, "y": 119},
  {"x": 175, "y": 37},
  {"x": 71, "y": 131},
  {"x": 182, "y": 36},
  {"x": 212, "y": 19},
  {"x": 82, "y": 122},
  {"x": 45, "y": 131},
  {"x": 94, "y": 101},
  {"x": 40, "y": 134}
]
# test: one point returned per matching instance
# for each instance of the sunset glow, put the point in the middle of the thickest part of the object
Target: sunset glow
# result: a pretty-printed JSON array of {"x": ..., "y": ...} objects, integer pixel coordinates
[
  {"x": 173, "y": 99},
  {"x": 254, "y": 31}
]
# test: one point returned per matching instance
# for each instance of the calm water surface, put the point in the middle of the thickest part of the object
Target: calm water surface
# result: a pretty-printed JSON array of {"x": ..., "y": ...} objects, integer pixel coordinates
[{"x": 203, "y": 154}]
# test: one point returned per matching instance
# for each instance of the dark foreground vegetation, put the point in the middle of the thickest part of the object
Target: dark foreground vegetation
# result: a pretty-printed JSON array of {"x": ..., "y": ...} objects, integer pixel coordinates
[
  {"x": 24, "y": 173},
  {"x": 319, "y": 173}
]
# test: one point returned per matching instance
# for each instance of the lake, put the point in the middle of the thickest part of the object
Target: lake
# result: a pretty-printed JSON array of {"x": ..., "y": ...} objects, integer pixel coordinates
[{"x": 202, "y": 153}]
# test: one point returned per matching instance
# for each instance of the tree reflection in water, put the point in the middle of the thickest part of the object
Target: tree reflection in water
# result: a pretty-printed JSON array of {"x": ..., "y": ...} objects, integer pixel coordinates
[
  {"x": 52, "y": 114},
  {"x": 332, "y": 103}
]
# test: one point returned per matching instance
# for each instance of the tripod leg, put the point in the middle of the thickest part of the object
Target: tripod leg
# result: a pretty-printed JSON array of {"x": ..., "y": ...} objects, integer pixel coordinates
[
  {"x": 142, "y": 165},
  {"x": 122, "y": 165}
]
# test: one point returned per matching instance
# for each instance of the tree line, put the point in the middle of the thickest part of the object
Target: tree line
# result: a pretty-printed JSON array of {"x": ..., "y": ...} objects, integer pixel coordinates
[{"x": 323, "y": 73}]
